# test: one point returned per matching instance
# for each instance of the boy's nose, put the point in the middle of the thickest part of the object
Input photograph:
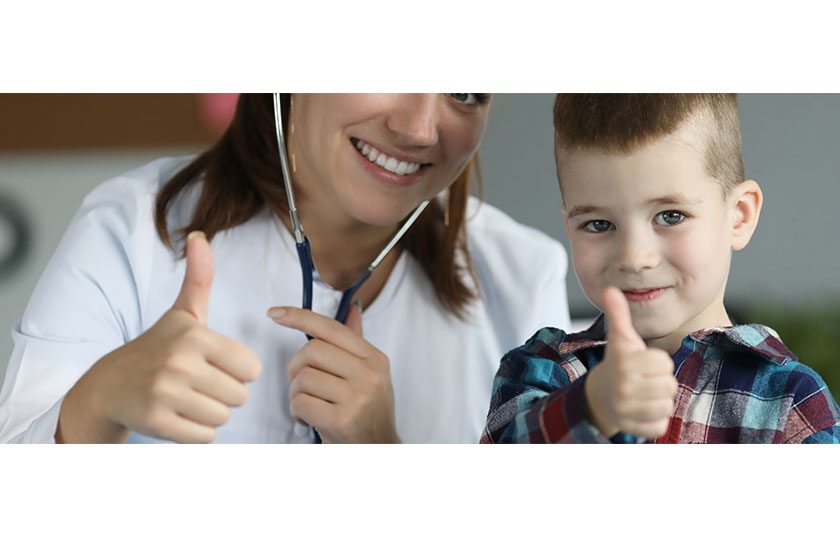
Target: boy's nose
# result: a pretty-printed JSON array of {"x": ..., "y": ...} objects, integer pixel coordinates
[
  {"x": 638, "y": 252},
  {"x": 415, "y": 118}
]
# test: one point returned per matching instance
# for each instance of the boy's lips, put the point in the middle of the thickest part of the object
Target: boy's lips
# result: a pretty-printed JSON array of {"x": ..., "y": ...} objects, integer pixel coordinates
[{"x": 643, "y": 294}]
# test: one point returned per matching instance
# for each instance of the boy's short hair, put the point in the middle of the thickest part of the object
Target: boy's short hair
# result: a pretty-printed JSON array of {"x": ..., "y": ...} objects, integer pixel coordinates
[{"x": 619, "y": 122}]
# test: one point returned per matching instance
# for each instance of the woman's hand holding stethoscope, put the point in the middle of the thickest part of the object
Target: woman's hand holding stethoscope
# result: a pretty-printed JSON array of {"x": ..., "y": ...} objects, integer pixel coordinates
[{"x": 340, "y": 383}]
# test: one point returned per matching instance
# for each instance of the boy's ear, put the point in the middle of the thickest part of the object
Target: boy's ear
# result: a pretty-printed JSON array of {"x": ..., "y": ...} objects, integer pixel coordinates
[{"x": 747, "y": 199}]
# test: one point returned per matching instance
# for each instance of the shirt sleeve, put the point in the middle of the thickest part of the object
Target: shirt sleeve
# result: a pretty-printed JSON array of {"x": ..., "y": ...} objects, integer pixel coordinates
[
  {"x": 553, "y": 308},
  {"x": 86, "y": 304},
  {"x": 514, "y": 263},
  {"x": 828, "y": 435},
  {"x": 534, "y": 401},
  {"x": 814, "y": 416}
]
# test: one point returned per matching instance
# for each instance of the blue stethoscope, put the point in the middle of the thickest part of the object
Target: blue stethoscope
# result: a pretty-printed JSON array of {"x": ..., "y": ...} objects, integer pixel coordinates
[
  {"x": 307, "y": 266},
  {"x": 304, "y": 251}
]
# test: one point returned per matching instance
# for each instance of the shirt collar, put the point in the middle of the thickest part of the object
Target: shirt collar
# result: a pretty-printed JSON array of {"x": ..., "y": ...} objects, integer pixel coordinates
[
  {"x": 595, "y": 335},
  {"x": 757, "y": 339}
]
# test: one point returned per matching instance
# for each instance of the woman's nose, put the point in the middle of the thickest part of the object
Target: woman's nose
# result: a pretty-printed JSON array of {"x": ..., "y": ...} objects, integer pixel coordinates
[{"x": 415, "y": 118}]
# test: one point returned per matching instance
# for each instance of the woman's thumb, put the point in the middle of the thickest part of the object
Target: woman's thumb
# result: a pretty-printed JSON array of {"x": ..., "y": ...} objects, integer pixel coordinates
[{"x": 198, "y": 278}]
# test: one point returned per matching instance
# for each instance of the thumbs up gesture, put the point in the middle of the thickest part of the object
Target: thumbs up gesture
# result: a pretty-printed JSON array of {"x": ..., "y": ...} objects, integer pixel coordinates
[
  {"x": 632, "y": 390},
  {"x": 176, "y": 381}
]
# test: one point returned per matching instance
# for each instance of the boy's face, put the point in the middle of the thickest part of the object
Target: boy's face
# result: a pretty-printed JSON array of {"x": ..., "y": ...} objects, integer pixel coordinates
[{"x": 657, "y": 226}]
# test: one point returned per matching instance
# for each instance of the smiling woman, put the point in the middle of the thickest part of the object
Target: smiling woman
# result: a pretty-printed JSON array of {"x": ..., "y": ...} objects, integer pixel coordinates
[{"x": 155, "y": 347}]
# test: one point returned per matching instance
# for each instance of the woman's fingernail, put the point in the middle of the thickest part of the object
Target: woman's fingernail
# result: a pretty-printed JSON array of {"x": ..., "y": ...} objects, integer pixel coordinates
[
  {"x": 196, "y": 234},
  {"x": 276, "y": 313},
  {"x": 358, "y": 304}
]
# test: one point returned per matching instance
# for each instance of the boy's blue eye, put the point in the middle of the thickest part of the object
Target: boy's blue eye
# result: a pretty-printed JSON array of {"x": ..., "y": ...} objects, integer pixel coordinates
[
  {"x": 669, "y": 218},
  {"x": 598, "y": 226}
]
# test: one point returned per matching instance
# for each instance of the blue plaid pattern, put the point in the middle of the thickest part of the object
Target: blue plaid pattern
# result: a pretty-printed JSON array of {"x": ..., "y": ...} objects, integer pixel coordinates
[{"x": 736, "y": 385}]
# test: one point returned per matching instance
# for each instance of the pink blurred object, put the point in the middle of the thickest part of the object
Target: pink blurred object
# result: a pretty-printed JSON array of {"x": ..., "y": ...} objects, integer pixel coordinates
[{"x": 216, "y": 110}]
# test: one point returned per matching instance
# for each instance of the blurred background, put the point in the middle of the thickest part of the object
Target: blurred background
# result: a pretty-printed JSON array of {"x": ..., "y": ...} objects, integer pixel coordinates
[{"x": 55, "y": 148}]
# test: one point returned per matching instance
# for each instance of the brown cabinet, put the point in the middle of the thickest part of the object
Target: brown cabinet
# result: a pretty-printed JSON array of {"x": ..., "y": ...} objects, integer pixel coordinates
[{"x": 81, "y": 121}]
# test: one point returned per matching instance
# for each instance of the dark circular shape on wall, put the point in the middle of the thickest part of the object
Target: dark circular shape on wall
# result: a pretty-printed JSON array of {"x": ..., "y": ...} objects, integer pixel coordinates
[{"x": 15, "y": 236}]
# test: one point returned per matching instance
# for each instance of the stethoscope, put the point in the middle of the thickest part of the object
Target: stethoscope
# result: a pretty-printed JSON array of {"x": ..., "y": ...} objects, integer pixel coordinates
[
  {"x": 304, "y": 251},
  {"x": 307, "y": 266}
]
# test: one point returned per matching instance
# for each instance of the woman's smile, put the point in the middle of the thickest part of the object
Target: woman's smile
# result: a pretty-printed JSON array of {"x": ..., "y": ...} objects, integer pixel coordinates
[{"x": 394, "y": 168}]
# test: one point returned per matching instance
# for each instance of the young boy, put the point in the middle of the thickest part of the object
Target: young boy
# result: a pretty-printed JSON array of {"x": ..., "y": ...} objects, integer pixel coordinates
[{"x": 655, "y": 201}]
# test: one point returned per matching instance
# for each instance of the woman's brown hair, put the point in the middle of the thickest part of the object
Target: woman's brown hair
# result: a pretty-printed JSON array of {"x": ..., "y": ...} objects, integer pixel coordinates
[{"x": 241, "y": 174}]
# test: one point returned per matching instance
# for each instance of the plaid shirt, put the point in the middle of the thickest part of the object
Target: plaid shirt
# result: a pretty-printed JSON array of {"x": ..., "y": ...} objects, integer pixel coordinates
[{"x": 736, "y": 385}]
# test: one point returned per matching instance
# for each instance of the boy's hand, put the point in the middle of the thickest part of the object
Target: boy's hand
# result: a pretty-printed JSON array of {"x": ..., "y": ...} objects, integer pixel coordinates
[{"x": 632, "y": 390}]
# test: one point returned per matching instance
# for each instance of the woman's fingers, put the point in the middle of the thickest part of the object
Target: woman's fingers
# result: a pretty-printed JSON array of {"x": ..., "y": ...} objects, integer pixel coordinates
[
  {"x": 216, "y": 383},
  {"x": 201, "y": 409},
  {"x": 312, "y": 411},
  {"x": 174, "y": 427},
  {"x": 177, "y": 369},
  {"x": 319, "y": 384},
  {"x": 188, "y": 368},
  {"x": 231, "y": 356},
  {"x": 341, "y": 384},
  {"x": 326, "y": 357},
  {"x": 325, "y": 328}
]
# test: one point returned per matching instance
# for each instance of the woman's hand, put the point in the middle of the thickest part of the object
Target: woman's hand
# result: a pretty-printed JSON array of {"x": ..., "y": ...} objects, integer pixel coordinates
[
  {"x": 176, "y": 381},
  {"x": 341, "y": 384}
]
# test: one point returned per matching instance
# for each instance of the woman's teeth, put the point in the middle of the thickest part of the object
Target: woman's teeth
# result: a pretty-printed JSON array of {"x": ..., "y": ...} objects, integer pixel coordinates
[{"x": 392, "y": 164}]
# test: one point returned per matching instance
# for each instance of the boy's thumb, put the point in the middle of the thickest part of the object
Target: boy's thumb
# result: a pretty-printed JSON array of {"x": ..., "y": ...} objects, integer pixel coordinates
[
  {"x": 195, "y": 291},
  {"x": 354, "y": 317},
  {"x": 620, "y": 332}
]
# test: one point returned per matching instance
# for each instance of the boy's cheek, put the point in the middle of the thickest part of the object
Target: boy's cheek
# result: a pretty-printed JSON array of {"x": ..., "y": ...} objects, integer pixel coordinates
[
  {"x": 693, "y": 255},
  {"x": 587, "y": 258},
  {"x": 586, "y": 270}
]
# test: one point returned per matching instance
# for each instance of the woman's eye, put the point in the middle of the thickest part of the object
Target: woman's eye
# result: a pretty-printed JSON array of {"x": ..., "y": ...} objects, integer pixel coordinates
[
  {"x": 469, "y": 98},
  {"x": 598, "y": 226},
  {"x": 669, "y": 218}
]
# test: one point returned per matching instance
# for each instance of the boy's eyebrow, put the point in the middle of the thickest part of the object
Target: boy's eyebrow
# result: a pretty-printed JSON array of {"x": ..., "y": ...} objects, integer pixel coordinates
[
  {"x": 579, "y": 210},
  {"x": 677, "y": 200}
]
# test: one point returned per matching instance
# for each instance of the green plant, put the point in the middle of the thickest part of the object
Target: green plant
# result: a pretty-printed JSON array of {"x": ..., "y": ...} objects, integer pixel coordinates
[{"x": 812, "y": 332}]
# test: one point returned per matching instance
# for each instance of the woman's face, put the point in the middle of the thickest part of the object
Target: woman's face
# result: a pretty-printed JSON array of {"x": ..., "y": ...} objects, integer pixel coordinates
[{"x": 372, "y": 158}]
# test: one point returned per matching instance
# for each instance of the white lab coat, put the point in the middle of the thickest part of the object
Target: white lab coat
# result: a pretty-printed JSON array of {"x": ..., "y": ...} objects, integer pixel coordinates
[{"x": 111, "y": 278}]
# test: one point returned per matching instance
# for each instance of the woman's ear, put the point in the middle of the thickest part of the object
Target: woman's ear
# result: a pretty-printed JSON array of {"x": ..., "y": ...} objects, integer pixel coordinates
[{"x": 746, "y": 200}]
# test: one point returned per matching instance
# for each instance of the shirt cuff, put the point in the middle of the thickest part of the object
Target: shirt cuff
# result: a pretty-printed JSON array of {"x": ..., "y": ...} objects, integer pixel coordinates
[{"x": 565, "y": 417}]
